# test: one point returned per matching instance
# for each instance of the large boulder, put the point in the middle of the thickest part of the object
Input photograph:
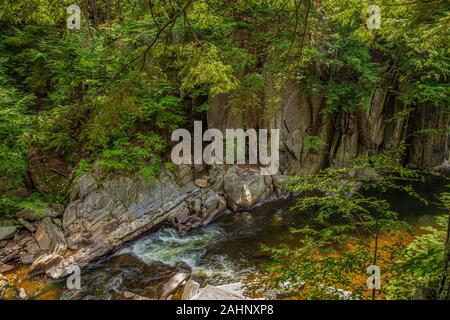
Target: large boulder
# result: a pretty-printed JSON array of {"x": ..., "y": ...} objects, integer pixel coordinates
[{"x": 246, "y": 188}]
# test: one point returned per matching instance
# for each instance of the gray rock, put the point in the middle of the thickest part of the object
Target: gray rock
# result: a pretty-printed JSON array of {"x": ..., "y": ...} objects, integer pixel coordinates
[
  {"x": 121, "y": 208},
  {"x": 50, "y": 237},
  {"x": 246, "y": 188},
  {"x": 23, "y": 244},
  {"x": 7, "y": 232},
  {"x": 27, "y": 225},
  {"x": 86, "y": 184}
]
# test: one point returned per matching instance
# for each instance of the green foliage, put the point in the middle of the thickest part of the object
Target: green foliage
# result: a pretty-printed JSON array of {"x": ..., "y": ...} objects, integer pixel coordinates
[
  {"x": 83, "y": 167},
  {"x": 349, "y": 207},
  {"x": 14, "y": 136},
  {"x": 420, "y": 264},
  {"x": 313, "y": 143},
  {"x": 125, "y": 156}
]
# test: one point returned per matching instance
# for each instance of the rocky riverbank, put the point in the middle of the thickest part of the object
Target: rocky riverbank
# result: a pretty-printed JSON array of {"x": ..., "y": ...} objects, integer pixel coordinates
[{"x": 104, "y": 213}]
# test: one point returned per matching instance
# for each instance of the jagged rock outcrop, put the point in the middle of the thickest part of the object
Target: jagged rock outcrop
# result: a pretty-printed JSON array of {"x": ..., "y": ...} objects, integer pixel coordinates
[
  {"x": 119, "y": 209},
  {"x": 105, "y": 213},
  {"x": 370, "y": 130}
]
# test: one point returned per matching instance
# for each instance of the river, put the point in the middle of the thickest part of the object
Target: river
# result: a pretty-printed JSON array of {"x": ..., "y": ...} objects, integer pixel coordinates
[{"x": 226, "y": 251}]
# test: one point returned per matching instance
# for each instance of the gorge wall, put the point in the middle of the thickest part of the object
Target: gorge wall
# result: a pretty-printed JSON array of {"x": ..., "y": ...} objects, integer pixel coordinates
[{"x": 363, "y": 132}]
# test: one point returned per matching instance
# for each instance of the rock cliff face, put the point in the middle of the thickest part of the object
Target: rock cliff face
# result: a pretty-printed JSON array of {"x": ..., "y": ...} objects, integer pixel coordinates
[
  {"x": 105, "y": 213},
  {"x": 370, "y": 131}
]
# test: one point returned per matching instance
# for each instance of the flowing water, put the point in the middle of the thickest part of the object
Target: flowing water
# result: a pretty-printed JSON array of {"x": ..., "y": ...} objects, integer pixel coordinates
[{"x": 226, "y": 251}]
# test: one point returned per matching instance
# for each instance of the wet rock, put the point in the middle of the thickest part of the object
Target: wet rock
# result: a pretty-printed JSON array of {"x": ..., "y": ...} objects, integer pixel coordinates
[
  {"x": 124, "y": 276},
  {"x": 44, "y": 263},
  {"x": 7, "y": 232},
  {"x": 50, "y": 237},
  {"x": 82, "y": 258},
  {"x": 173, "y": 284}
]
